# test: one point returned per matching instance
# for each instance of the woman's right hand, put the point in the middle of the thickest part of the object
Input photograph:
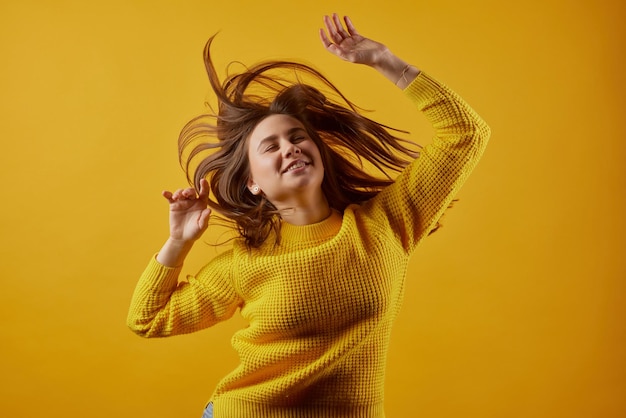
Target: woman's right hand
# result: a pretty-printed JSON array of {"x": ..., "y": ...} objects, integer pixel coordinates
[{"x": 189, "y": 214}]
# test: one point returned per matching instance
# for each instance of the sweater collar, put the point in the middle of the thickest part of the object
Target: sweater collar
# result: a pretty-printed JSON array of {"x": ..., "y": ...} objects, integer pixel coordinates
[{"x": 317, "y": 232}]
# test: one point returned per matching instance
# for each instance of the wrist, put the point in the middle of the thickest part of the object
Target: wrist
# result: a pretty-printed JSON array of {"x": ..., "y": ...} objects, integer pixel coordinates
[
  {"x": 395, "y": 69},
  {"x": 180, "y": 242},
  {"x": 384, "y": 60},
  {"x": 174, "y": 252}
]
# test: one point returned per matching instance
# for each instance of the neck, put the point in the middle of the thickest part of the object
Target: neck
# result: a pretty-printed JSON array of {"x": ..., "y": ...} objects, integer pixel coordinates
[{"x": 305, "y": 213}]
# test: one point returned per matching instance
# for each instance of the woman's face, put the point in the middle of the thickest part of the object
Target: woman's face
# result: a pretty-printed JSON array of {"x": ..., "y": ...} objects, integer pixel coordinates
[{"x": 285, "y": 163}]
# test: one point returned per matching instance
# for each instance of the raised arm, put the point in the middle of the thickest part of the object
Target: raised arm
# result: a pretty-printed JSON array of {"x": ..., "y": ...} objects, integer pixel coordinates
[
  {"x": 413, "y": 205},
  {"x": 348, "y": 44}
]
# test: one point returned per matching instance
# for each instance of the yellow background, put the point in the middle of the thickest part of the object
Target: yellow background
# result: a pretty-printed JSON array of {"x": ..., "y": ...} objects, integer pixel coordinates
[{"x": 515, "y": 308}]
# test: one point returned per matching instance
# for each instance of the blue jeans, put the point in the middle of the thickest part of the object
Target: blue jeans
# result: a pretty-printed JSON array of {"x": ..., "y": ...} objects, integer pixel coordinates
[{"x": 208, "y": 412}]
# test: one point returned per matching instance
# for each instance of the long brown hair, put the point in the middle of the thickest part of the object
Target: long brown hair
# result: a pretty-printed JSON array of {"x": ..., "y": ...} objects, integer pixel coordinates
[{"x": 214, "y": 145}]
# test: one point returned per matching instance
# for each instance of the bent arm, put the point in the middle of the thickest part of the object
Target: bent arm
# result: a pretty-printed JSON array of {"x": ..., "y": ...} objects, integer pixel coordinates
[
  {"x": 413, "y": 205},
  {"x": 161, "y": 306}
]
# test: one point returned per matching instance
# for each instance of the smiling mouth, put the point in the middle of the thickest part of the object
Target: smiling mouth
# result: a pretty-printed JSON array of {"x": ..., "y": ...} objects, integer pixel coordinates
[{"x": 295, "y": 165}]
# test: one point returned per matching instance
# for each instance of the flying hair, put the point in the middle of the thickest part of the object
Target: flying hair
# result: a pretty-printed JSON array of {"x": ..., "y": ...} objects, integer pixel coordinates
[{"x": 214, "y": 145}]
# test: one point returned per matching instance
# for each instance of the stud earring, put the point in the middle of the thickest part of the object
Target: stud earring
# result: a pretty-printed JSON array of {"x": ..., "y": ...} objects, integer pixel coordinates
[{"x": 255, "y": 189}]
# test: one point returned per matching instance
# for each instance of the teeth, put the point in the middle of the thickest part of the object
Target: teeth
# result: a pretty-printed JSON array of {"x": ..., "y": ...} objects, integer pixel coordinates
[{"x": 296, "y": 166}]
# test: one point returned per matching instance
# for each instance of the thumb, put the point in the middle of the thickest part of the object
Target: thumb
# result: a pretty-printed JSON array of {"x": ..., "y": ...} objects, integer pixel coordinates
[{"x": 203, "y": 219}]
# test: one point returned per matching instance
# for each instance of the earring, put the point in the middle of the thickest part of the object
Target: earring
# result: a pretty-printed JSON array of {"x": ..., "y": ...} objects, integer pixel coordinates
[{"x": 255, "y": 189}]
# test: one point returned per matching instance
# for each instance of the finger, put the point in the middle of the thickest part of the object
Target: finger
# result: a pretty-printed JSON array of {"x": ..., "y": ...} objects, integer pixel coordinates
[
  {"x": 189, "y": 193},
  {"x": 330, "y": 47},
  {"x": 168, "y": 195},
  {"x": 203, "y": 219},
  {"x": 339, "y": 26},
  {"x": 204, "y": 189},
  {"x": 350, "y": 26},
  {"x": 325, "y": 41},
  {"x": 332, "y": 30},
  {"x": 180, "y": 194}
]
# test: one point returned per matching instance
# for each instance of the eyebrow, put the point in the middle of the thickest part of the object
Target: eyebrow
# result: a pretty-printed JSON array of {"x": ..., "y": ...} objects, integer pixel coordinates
[{"x": 290, "y": 131}]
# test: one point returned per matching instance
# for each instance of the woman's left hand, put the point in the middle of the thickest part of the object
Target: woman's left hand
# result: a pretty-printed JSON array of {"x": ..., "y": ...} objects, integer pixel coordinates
[{"x": 348, "y": 44}]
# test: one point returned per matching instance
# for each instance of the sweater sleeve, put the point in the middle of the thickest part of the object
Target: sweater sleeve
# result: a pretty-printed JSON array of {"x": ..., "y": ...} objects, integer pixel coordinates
[
  {"x": 162, "y": 306},
  {"x": 411, "y": 207}
]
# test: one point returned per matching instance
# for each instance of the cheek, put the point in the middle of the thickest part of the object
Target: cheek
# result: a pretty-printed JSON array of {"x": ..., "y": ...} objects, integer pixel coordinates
[
  {"x": 253, "y": 168},
  {"x": 317, "y": 152},
  {"x": 260, "y": 167}
]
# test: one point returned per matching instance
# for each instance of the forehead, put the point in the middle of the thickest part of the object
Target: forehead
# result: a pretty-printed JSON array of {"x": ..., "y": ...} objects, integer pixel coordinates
[{"x": 274, "y": 126}]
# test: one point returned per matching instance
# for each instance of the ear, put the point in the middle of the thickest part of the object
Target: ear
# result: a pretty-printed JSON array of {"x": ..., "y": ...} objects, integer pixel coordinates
[{"x": 253, "y": 187}]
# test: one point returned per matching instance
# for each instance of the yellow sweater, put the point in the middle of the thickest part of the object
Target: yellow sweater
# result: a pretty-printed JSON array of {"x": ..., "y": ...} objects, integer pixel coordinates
[{"x": 320, "y": 306}]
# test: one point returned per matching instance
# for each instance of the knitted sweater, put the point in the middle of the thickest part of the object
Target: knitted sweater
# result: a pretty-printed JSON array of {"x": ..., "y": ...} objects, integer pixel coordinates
[{"x": 321, "y": 304}]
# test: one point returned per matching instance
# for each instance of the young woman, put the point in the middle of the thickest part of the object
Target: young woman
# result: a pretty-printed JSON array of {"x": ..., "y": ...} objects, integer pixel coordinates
[{"x": 320, "y": 262}]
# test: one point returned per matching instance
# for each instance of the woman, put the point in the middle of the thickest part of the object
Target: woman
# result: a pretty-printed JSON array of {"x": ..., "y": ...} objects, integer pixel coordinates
[{"x": 319, "y": 267}]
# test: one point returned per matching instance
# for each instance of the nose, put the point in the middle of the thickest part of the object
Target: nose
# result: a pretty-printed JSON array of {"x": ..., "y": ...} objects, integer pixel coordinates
[{"x": 291, "y": 150}]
